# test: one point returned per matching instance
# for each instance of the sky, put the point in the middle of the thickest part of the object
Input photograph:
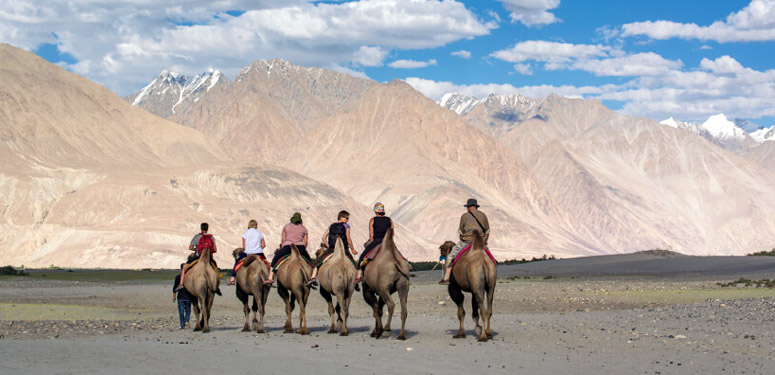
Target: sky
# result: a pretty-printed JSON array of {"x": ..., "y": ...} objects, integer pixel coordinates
[{"x": 687, "y": 59}]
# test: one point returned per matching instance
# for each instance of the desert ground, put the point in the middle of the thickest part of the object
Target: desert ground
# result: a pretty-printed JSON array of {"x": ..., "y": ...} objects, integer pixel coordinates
[{"x": 622, "y": 314}]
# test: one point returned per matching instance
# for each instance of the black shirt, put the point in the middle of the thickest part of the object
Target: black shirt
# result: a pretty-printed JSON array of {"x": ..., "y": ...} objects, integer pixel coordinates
[{"x": 182, "y": 293}]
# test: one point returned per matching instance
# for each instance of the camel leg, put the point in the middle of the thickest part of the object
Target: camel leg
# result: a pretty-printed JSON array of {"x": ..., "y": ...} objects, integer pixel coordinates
[
  {"x": 302, "y": 311},
  {"x": 345, "y": 312},
  {"x": 197, "y": 312},
  {"x": 457, "y": 296},
  {"x": 403, "y": 293},
  {"x": 244, "y": 298},
  {"x": 327, "y": 297},
  {"x": 477, "y": 305},
  {"x": 205, "y": 313},
  {"x": 371, "y": 299},
  {"x": 262, "y": 308},
  {"x": 255, "y": 312},
  {"x": 385, "y": 296},
  {"x": 490, "y": 293},
  {"x": 288, "y": 309}
]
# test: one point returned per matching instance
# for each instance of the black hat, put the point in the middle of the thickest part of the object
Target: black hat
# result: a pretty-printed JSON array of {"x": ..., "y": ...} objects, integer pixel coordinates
[{"x": 471, "y": 202}]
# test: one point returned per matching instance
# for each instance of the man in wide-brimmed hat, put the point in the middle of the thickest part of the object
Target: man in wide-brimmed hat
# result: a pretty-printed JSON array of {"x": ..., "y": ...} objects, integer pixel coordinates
[{"x": 473, "y": 220}]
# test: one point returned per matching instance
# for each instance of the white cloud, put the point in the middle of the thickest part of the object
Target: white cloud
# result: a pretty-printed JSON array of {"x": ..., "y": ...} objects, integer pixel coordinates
[
  {"x": 436, "y": 89},
  {"x": 411, "y": 64},
  {"x": 540, "y": 50},
  {"x": 524, "y": 69},
  {"x": 755, "y": 22},
  {"x": 532, "y": 12},
  {"x": 462, "y": 54},
  {"x": 124, "y": 43},
  {"x": 369, "y": 56},
  {"x": 635, "y": 65}
]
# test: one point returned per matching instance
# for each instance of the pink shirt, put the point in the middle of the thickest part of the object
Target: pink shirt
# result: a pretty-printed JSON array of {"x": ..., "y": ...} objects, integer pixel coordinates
[{"x": 294, "y": 234}]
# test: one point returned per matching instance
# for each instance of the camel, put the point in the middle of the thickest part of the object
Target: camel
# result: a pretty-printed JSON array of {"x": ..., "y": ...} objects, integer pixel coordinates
[
  {"x": 444, "y": 250},
  {"x": 336, "y": 276},
  {"x": 201, "y": 282},
  {"x": 386, "y": 274},
  {"x": 292, "y": 277},
  {"x": 250, "y": 282},
  {"x": 475, "y": 273}
]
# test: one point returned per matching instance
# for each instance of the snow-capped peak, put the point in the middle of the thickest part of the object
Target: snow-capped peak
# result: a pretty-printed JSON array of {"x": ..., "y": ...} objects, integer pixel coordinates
[
  {"x": 721, "y": 128},
  {"x": 764, "y": 134}
]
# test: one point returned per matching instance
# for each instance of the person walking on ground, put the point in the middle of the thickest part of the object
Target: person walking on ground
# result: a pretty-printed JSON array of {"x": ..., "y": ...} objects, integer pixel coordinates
[
  {"x": 339, "y": 229},
  {"x": 294, "y": 233},
  {"x": 183, "y": 299},
  {"x": 473, "y": 220},
  {"x": 200, "y": 241},
  {"x": 378, "y": 226},
  {"x": 253, "y": 244}
]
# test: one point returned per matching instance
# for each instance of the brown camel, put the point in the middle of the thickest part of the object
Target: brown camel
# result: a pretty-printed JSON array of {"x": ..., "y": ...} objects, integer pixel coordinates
[
  {"x": 475, "y": 273},
  {"x": 250, "y": 282},
  {"x": 336, "y": 276},
  {"x": 292, "y": 277},
  {"x": 385, "y": 275},
  {"x": 201, "y": 282},
  {"x": 444, "y": 250}
]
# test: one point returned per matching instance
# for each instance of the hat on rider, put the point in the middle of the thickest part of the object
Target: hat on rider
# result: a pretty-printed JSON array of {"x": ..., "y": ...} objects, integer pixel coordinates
[
  {"x": 296, "y": 218},
  {"x": 471, "y": 202},
  {"x": 379, "y": 208}
]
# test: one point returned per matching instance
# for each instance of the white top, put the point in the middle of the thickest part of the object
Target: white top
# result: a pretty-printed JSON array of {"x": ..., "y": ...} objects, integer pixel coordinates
[{"x": 253, "y": 241}]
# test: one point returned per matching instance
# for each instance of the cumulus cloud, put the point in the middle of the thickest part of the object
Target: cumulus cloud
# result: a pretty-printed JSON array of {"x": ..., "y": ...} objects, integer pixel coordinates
[
  {"x": 436, "y": 89},
  {"x": 531, "y": 12},
  {"x": 524, "y": 69},
  {"x": 462, "y": 53},
  {"x": 124, "y": 43},
  {"x": 555, "y": 52},
  {"x": 755, "y": 22},
  {"x": 411, "y": 64},
  {"x": 639, "y": 64}
]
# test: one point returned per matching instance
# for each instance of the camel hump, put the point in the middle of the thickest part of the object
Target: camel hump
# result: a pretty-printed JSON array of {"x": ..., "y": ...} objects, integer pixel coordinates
[
  {"x": 205, "y": 256},
  {"x": 478, "y": 244},
  {"x": 387, "y": 241},
  {"x": 339, "y": 247},
  {"x": 295, "y": 251}
]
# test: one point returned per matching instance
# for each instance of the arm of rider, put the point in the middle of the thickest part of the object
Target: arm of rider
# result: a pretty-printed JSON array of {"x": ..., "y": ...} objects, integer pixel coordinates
[
  {"x": 371, "y": 230},
  {"x": 243, "y": 243},
  {"x": 306, "y": 238},
  {"x": 263, "y": 243},
  {"x": 325, "y": 237},
  {"x": 350, "y": 241},
  {"x": 191, "y": 247},
  {"x": 282, "y": 240}
]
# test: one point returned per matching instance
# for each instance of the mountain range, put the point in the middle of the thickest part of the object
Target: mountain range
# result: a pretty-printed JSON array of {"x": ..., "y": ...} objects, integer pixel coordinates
[{"x": 93, "y": 180}]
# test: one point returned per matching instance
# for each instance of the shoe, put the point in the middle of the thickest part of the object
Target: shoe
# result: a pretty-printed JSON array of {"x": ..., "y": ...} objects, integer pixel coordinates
[
  {"x": 231, "y": 282},
  {"x": 444, "y": 282},
  {"x": 312, "y": 282},
  {"x": 357, "y": 288},
  {"x": 268, "y": 282}
]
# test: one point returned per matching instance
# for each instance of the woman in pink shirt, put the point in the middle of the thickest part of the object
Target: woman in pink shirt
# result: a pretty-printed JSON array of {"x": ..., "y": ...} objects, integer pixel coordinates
[{"x": 293, "y": 233}]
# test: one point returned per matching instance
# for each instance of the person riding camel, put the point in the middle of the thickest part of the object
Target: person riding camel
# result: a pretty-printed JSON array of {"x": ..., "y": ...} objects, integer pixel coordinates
[
  {"x": 199, "y": 242},
  {"x": 378, "y": 226},
  {"x": 340, "y": 229},
  {"x": 253, "y": 244},
  {"x": 294, "y": 233},
  {"x": 473, "y": 220}
]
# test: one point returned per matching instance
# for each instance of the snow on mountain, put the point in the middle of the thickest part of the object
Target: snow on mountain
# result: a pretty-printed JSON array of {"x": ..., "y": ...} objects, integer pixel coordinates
[
  {"x": 171, "y": 91},
  {"x": 692, "y": 127},
  {"x": 721, "y": 128},
  {"x": 764, "y": 134}
]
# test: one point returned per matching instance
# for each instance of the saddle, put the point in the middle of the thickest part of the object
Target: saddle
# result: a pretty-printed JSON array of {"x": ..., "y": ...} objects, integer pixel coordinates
[
  {"x": 242, "y": 262},
  {"x": 371, "y": 255},
  {"x": 465, "y": 249},
  {"x": 283, "y": 259}
]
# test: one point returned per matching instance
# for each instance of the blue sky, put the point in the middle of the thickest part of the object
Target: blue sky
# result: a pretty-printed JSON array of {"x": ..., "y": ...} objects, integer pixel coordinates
[{"x": 687, "y": 59}]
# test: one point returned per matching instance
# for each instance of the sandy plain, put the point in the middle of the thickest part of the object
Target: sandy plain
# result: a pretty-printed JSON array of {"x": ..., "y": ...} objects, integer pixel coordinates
[{"x": 624, "y": 314}]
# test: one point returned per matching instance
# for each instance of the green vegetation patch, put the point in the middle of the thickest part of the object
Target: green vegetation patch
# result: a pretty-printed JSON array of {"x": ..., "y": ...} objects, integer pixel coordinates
[
  {"x": 145, "y": 275},
  {"x": 29, "y": 311},
  {"x": 763, "y": 283},
  {"x": 10, "y": 271},
  {"x": 770, "y": 253},
  {"x": 687, "y": 296}
]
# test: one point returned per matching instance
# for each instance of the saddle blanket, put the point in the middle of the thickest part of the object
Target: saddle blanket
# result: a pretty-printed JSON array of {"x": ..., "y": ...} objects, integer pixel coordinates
[
  {"x": 283, "y": 259},
  {"x": 486, "y": 250},
  {"x": 241, "y": 262}
]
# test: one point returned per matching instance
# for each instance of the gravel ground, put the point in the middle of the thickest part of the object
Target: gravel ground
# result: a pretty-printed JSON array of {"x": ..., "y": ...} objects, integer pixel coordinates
[{"x": 624, "y": 324}]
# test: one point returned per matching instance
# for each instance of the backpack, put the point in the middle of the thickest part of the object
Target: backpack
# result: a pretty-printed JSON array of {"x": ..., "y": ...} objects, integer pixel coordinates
[
  {"x": 337, "y": 230},
  {"x": 204, "y": 242}
]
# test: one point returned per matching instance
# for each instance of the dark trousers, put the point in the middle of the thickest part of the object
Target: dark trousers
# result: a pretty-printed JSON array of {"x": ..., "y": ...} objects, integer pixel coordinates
[
  {"x": 285, "y": 250},
  {"x": 184, "y": 310}
]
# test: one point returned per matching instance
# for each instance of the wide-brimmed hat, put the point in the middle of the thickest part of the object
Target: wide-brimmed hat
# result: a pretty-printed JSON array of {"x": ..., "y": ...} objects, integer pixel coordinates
[
  {"x": 471, "y": 202},
  {"x": 296, "y": 218},
  {"x": 379, "y": 208}
]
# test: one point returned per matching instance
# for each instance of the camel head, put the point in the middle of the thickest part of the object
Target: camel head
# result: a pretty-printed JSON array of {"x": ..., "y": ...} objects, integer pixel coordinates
[
  {"x": 445, "y": 248},
  {"x": 323, "y": 247},
  {"x": 236, "y": 253}
]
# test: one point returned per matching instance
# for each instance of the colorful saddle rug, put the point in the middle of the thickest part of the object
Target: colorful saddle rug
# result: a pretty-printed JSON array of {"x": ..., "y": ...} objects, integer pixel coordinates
[
  {"x": 283, "y": 259},
  {"x": 188, "y": 267},
  {"x": 241, "y": 262},
  {"x": 373, "y": 254},
  {"x": 465, "y": 249}
]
